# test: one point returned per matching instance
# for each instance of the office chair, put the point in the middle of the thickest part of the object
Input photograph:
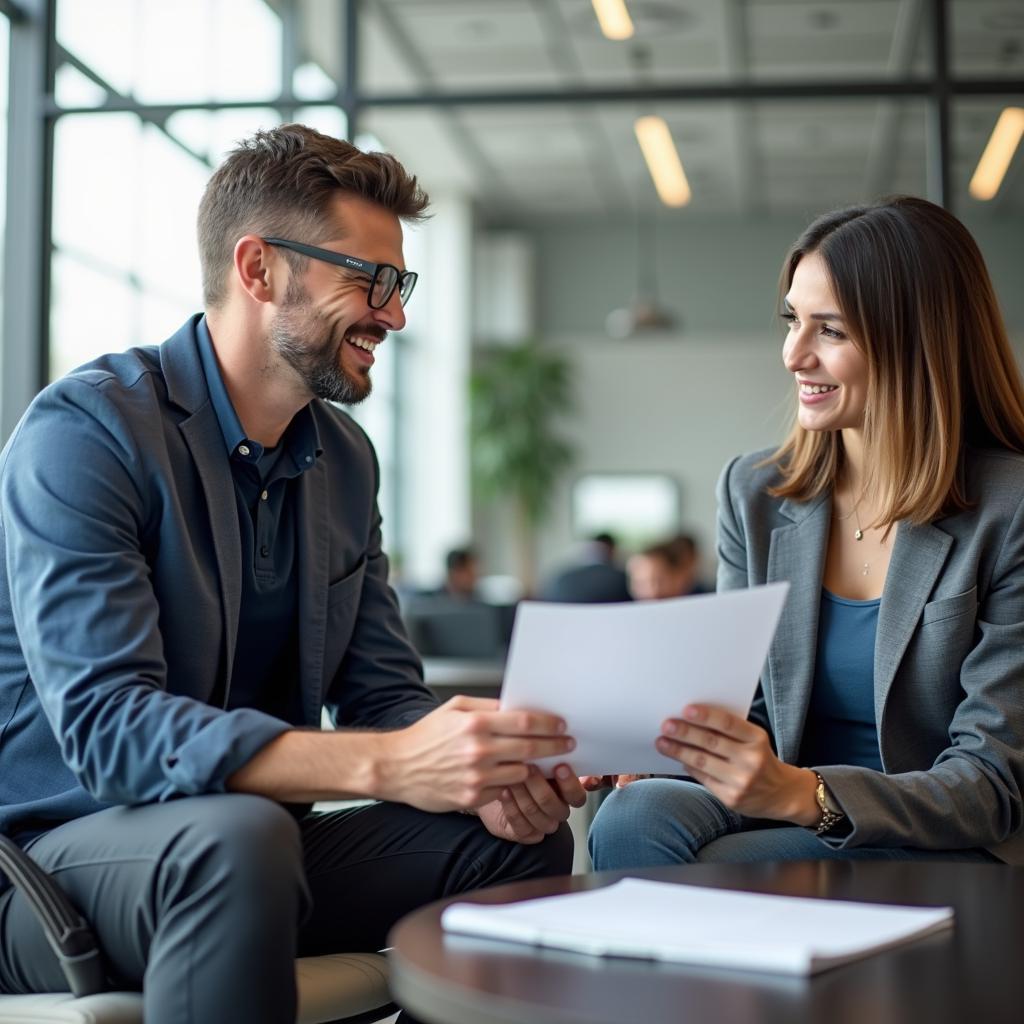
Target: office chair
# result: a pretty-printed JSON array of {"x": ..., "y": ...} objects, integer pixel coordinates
[
  {"x": 342, "y": 987},
  {"x": 441, "y": 627}
]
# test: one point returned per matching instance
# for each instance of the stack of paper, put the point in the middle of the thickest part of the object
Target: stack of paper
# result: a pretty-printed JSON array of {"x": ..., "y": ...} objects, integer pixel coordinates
[{"x": 697, "y": 925}]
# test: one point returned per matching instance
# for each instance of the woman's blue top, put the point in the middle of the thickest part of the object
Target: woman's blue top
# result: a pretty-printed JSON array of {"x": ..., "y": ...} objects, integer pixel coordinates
[{"x": 840, "y": 726}]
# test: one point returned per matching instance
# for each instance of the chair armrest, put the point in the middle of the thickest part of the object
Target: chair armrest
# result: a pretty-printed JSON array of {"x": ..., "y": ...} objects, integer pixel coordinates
[{"x": 68, "y": 933}]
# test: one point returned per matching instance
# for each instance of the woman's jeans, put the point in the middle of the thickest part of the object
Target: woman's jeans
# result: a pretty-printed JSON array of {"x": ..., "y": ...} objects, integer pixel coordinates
[{"x": 656, "y": 822}]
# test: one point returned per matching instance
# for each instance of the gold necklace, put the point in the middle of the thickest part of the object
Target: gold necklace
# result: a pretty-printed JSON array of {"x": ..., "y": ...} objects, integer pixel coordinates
[{"x": 858, "y": 534}]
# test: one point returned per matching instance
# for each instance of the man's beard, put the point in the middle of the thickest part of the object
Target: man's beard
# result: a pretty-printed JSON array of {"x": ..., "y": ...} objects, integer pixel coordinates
[{"x": 304, "y": 339}]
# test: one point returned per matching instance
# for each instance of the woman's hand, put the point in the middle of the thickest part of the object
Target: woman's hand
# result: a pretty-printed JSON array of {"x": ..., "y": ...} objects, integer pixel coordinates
[{"x": 734, "y": 759}]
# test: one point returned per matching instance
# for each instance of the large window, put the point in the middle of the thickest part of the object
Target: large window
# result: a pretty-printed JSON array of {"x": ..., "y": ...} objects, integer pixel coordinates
[
  {"x": 127, "y": 185},
  {"x": 125, "y": 264},
  {"x": 181, "y": 52}
]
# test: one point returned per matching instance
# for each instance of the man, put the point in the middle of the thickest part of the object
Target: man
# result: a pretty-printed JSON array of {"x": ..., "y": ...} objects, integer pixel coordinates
[
  {"x": 461, "y": 574},
  {"x": 595, "y": 579},
  {"x": 192, "y": 571},
  {"x": 452, "y": 621},
  {"x": 668, "y": 569}
]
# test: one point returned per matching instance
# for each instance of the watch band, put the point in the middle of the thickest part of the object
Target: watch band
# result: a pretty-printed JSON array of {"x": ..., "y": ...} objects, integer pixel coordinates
[{"x": 830, "y": 816}]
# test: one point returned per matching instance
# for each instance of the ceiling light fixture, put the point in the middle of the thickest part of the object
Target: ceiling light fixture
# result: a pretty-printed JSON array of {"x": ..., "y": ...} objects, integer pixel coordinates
[
  {"x": 644, "y": 316},
  {"x": 663, "y": 160},
  {"x": 995, "y": 161},
  {"x": 614, "y": 19}
]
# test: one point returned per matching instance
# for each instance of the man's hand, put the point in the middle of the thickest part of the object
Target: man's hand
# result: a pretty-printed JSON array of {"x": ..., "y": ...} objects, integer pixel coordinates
[
  {"x": 464, "y": 754},
  {"x": 528, "y": 812},
  {"x": 734, "y": 759}
]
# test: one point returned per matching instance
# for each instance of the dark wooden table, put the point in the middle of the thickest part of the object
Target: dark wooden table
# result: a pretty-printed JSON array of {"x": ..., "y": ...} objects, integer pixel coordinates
[{"x": 973, "y": 974}]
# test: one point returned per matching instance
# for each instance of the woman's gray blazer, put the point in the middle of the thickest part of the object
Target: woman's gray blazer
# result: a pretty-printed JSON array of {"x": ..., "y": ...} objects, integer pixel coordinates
[{"x": 949, "y": 656}]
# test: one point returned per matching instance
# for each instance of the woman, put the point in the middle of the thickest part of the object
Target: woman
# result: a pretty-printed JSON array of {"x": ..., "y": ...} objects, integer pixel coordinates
[{"x": 890, "y": 718}]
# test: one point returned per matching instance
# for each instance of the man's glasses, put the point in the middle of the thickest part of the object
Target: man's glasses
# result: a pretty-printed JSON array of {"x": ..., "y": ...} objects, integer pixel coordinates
[{"x": 384, "y": 278}]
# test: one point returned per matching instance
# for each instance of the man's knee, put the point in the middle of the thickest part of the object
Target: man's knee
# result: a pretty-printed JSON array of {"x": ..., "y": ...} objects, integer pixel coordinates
[
  {"x": 245, "y": 839},
  {"x": 553, "y": 856}
]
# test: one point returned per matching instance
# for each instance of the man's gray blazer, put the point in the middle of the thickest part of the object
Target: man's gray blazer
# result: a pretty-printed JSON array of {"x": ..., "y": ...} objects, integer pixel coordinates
[
  {"x": 949, "y": 656},
  {"x": 120, "y": 589}
]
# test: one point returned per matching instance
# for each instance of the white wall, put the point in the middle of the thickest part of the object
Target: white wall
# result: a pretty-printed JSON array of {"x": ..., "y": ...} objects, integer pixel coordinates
[{"x": 681, "y": 406}]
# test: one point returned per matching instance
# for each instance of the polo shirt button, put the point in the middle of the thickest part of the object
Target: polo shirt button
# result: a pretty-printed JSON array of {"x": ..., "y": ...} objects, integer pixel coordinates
[
  {"x": 264, "y": 496},
  {"x": 264, "y": 551},
  {"x": 243, "y": 449}
]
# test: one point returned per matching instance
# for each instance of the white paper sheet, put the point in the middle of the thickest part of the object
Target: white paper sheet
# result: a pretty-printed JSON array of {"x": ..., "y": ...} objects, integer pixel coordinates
[
  {"x": 614, "y": 672},
  {"x": 698, "y": 925}
]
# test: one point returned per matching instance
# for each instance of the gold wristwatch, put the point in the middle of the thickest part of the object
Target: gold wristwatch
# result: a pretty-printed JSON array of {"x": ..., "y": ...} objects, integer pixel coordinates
[{"x": 830, "y": 813}]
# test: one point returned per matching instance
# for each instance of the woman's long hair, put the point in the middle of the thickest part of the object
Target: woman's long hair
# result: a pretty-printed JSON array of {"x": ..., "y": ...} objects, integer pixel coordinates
[{"x": 916, "y": 297}]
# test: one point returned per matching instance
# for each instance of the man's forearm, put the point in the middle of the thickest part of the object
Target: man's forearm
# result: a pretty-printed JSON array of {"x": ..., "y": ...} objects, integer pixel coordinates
[{"x": 303, "y": 766}]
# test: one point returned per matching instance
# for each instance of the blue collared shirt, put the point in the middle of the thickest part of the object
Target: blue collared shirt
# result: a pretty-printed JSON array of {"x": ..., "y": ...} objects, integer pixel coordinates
[{"x": 265, "y": 673}]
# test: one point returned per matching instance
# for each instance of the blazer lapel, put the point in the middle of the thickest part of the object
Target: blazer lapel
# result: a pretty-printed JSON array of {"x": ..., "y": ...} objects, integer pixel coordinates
[
  {"x": 796, "y": 554},
  {"x": 918, "y": 555},
  {"x": 313, "y": 540},
  {"x": 186, "y": 388},
  {"x": 206, "y": 443}
]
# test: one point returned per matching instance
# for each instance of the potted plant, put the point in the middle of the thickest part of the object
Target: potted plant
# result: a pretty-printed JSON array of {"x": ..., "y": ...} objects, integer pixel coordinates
[{"x": 517, "y": 395}]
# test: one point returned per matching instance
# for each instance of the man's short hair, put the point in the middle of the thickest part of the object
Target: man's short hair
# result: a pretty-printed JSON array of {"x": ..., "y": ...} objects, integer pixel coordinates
[
  {"x": 677, "y": 552},
  {"x": 459, "y": 558},
  {"x": 279, "y": 183}
]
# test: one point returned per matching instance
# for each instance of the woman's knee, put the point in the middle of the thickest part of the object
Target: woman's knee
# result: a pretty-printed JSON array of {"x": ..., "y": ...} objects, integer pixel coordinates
[{"x": 653, "y": 822}]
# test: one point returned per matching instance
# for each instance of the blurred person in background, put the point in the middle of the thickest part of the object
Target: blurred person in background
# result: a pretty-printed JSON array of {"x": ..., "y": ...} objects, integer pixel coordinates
[
  {"x": 461, "y": 574},
  {"x": 594, "y": 578},
  {"x": 668, "y": 569}
]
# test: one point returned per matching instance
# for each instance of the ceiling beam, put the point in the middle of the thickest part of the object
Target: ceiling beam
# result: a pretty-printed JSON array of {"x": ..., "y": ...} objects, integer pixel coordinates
[{"x": 690, "y": 93}]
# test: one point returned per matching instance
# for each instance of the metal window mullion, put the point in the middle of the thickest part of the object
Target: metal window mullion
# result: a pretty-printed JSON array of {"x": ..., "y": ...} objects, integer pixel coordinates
[
  {"x": 349, "y": 98},
  {"x": 889, "y": 88},
  {"x": 65, "y": 56},
  {"x": 291, "y": 56},
  {"x": 937, "y": 150},
  {"x": 25, "y": 336},
  {"x": 12, "y": 11}
]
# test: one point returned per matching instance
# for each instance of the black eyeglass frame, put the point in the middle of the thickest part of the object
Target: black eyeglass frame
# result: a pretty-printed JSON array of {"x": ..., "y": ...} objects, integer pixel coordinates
[{"x": 404, "y": 280}]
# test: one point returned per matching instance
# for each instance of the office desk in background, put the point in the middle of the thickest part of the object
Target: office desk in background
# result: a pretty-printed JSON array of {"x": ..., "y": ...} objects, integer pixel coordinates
[{"x": 972, "y": 973}]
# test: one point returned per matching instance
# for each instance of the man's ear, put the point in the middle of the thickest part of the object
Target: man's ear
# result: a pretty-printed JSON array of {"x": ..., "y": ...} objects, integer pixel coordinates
[{"x": 259, "y": 270}]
